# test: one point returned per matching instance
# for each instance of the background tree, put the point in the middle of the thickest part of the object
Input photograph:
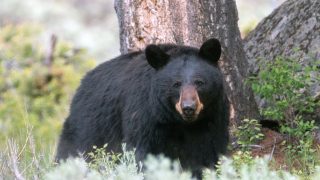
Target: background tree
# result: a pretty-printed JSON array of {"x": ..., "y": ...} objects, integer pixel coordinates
[{"x": 191, "y": 22}]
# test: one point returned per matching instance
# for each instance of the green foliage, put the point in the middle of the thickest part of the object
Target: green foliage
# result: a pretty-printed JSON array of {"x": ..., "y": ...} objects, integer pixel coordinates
[
  {"x": 33, "y": 98},
  {"x": 258, "y": 168},
  {"x": 285, "y": 85},
  {"x": 73, "y": 169},
  {"x": 105, "y": 162},
  {"x": 121, "y": 166},
  {"x": 301, "y": 145},
  {"x": 34, "y": 95},
  {"x": 241, "y": 158},
  {"x": 24, "y": 160},
  {"x": 124, "y": 167},
  {"x": 157, "y": 168},
  {"x": 248, "y": 133}
]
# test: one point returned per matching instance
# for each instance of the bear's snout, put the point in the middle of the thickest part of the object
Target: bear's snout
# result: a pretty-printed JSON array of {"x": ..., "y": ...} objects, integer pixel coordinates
[{"x": 189, "y": 105}]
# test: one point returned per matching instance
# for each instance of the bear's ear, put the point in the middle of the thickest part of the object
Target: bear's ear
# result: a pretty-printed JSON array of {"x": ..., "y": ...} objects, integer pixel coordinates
[
  {"x": 211, "y": 50},
  {"x": 156, "y": 57}
]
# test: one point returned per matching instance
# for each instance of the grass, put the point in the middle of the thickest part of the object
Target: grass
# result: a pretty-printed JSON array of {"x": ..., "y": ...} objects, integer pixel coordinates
[{"x": 25, "y": 161}]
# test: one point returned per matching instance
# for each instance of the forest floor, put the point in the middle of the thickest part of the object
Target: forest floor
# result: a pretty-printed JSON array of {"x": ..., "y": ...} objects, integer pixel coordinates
[{"x": 272, "y": 145}]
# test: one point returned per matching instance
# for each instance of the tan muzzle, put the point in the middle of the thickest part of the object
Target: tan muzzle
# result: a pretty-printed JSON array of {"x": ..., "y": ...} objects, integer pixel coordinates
[{"x": 189, "y": 105}]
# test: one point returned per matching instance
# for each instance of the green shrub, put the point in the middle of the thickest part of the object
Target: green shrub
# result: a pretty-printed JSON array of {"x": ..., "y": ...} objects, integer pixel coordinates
[
  {"x": 107, "y": 162},
  {"x": 34, "y": 96},
  {"x": 157, "y": 168},
  {"x": 285, "y": 85},
  {"x": 248, "y": 133}
]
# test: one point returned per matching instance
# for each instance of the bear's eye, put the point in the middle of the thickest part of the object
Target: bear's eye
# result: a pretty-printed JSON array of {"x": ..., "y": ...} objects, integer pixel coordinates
[
  {"x": 199, "y": 82},
  {"x": 177, "y": 84}
]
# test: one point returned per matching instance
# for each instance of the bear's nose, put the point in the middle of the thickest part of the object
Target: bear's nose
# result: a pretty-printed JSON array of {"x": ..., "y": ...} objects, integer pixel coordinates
[{"x": 189, "y": 108}]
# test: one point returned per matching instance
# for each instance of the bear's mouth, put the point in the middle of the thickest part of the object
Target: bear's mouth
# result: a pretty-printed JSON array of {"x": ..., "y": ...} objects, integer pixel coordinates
[{"x": 189, "y": 118}]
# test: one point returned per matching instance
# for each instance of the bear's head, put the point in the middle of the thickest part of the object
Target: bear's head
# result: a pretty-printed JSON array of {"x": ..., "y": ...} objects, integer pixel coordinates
[{"x": 187, "y": 80}]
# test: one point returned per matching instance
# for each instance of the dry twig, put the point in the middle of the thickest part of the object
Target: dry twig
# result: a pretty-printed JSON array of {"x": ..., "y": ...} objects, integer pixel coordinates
[{"x": 13, "y": 152}]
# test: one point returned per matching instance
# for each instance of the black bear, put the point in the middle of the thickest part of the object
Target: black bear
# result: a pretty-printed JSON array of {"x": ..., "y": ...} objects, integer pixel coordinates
[{"x": 167, "y": 99}]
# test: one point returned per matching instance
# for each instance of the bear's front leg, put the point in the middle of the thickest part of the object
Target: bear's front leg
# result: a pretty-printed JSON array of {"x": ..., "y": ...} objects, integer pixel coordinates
[
  {"x": 141, "y": 154},
  {"x": 197, "y": 174}
]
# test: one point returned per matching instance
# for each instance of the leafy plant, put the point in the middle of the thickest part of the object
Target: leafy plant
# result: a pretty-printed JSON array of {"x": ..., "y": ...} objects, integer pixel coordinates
[
  {"x": 106, "y": 163},
  {"x": 285, "y": 85},
  {"x": 248, "y": 133},
  {"x": 34, "y": 96},
  {"x": 33, "y": 93},
  {"x": 157, "y": 168},
  {"x": 241, "y": 158},
  {"x": 301, "y": 145}
]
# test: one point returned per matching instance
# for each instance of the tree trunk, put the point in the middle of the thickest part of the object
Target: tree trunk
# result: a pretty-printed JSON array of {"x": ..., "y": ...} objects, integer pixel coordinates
[
  {"x": 191, "y": 22},
  {"x": 293, "y": 25}
]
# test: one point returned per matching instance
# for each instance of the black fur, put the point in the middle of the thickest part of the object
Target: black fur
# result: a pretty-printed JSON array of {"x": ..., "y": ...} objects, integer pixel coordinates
[{"x": 126, "y": 100}]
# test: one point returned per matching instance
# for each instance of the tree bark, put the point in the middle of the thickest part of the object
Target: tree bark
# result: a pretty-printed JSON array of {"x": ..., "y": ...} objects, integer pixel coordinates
[
  {"x": 191, "y": 22},
  {"x": 293, "y": 25}
]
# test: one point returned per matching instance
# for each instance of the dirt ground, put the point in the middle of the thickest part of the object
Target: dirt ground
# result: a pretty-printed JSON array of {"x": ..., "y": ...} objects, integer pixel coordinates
[{"x": 271, "y": 145}]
